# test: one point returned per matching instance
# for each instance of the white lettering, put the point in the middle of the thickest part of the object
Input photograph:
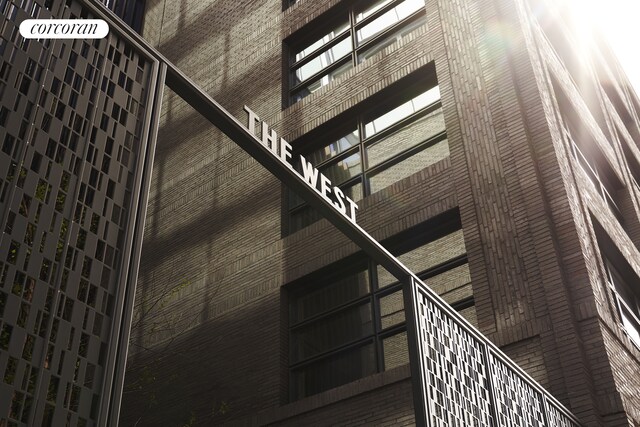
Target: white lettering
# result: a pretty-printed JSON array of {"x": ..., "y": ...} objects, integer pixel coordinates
[
  {"x": 325, "y": 187},
  {"x": 269, "y": 139},
  {"x": 352, "y": 209},
  {"x": 339, "y": 203},
  {"x": 253, "y": 118},
  {"x": 310, "y": 174},
  {"x": 281, "y": 149},
  {"x": 285, "y": 152}
]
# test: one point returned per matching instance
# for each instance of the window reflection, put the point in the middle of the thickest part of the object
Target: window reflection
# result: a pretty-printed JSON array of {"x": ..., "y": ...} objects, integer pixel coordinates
[
  {"x": 323, "y": 60},
  {"x": 322, "y": 81},
  {"x": 321, "y": 42},
  {"x": 372, "y": 9},
  {"x": 406, "y": 137},
  {"x": 331, "y": 296},
  {"x": 384, "y": 42},
  {"x": 339, "y": 328},
  {"x": 628, "y": 301},
  {"x": 344, "y": 169},
  {"x": 334, "y": 52},
  {"x": 386, "y": 20},
  {"x": 356, "y": 159},
  {"x": 404, "y": 110},
  {"x": 335, "y": 148},
  {"x": 407, "y": 167}
]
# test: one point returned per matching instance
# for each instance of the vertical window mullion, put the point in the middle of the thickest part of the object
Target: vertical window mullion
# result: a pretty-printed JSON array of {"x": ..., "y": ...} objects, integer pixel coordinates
[
  {"x": 352, "y": 33},
  {"x": 363, "y": 157},
  {"x": 377, "y": 327}
]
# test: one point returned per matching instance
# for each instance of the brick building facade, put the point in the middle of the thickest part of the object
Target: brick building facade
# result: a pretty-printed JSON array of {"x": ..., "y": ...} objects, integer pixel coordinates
[
  {"x": 537, "y": 167},
  {"x": 485, "y": 145}
]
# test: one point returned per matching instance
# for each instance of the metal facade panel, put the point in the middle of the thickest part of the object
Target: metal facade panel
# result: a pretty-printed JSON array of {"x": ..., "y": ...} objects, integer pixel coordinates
[{"x": 74, "y": 148}]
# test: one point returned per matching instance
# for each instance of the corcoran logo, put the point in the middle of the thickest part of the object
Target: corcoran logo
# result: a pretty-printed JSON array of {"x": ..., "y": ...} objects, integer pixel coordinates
[
  {"x": 64, "y": 29},
  {"x": 281, "y": 149}
]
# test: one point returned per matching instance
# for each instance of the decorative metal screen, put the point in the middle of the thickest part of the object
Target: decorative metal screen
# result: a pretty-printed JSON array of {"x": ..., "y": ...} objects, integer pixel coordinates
[
  {"x": 456, "y": 378},
  {"x": 556, "y": 416},
  {"x": 72, "y": 116},
  {"x": 466, "y": 381},
  {"x": 517, "y": 402}
]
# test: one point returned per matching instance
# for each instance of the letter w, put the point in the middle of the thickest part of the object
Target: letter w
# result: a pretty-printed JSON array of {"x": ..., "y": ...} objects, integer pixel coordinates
[{"x": 310, "y": 173}]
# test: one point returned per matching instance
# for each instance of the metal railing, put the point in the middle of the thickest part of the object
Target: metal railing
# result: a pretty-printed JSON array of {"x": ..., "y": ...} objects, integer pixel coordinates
[{"x": 466, "y": 380}]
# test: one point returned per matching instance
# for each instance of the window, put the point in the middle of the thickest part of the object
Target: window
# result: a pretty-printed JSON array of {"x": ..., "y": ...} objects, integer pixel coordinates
[
  {"x": 586, "y": 151},
  {"x": 375, "y": 149},
  {"x": 627, "y": 300},
  {"x": 288, "y": 3},
  {"x": 349, "y": 323},
  {"x": 355, "y": 35},
  {"x": 601, "y": 176}
]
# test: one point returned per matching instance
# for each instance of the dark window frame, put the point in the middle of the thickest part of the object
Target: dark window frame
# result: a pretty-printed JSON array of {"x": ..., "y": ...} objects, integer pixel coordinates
[
  {"x": 619, "y": 278},
  {"x": 411, "y": 239},
  {"x": 346, "y": 15},
  {"x": 356, "y": 120},
  {"x": 622, "y": 291},
  {"x": 587, "y": 153}
]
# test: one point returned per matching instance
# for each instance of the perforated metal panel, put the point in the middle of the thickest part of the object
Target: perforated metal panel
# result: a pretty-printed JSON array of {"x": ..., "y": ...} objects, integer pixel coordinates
[
  {"x": 557, "y": 417},
  {"x": 455, "y": 376},
  {"x": 517, "y": 403},
  {"x": 465, "y": 380},
  {"x": 71, "y": 120}
]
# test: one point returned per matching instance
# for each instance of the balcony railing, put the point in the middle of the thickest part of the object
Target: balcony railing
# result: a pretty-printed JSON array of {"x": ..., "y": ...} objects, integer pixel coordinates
[{"x": 466, "y": 380}]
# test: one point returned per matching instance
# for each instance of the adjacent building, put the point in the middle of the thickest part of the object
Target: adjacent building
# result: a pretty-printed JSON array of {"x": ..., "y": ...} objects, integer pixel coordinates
[{"x": 74, "y": 124}]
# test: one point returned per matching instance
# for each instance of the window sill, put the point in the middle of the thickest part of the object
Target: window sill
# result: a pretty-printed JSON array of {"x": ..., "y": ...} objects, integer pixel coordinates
[{"x": 335, "y": 395}]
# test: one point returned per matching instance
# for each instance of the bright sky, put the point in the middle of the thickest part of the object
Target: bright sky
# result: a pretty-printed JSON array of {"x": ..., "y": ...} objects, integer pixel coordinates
[{"x": 620, "y": 21}]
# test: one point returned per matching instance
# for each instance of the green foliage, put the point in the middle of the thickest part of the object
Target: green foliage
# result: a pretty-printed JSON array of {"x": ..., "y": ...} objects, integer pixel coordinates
[
  {"x": 41, "y": 190},
  {"x": 191, "y": 421},
  {"x": 219, "y": 408}
]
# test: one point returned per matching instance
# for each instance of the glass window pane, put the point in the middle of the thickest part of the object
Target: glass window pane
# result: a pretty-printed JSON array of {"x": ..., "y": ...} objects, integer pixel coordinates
[
  {"x": 302, "y": 218},
  {"x": 427, "y": 256},
  {"x": 384, "y": 277},
  {"x": 343, "y": 170},
  {"x": 322, "y": 81},
  {"x": 631, "y": 326},
  {"x": 333, "y": 371},
  {"x": 380, "y": 44},
  {"x": 354, "y": 192},
  {"x": 322, "y": 61},
  {"x": 435, "y": 252},
  {"x": 405, "y": 110},
  {"x": 396, "y": 350},
  {"x": 321, "y": 42},
  {"x": 294, "y": 200},
  {"x": 340, "y": 328},
  {"x": 391, "y": 309},
  {"x": 406, "y": 137},
  {"x": 335, "y": 148},
  {"x": 450, "y": 281},
  {"x": 330, "y": 296},
  {"x": 372, "y": 9},
  {"x": 407, "y": 167},
  {"x": 393, "y": 16}
]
